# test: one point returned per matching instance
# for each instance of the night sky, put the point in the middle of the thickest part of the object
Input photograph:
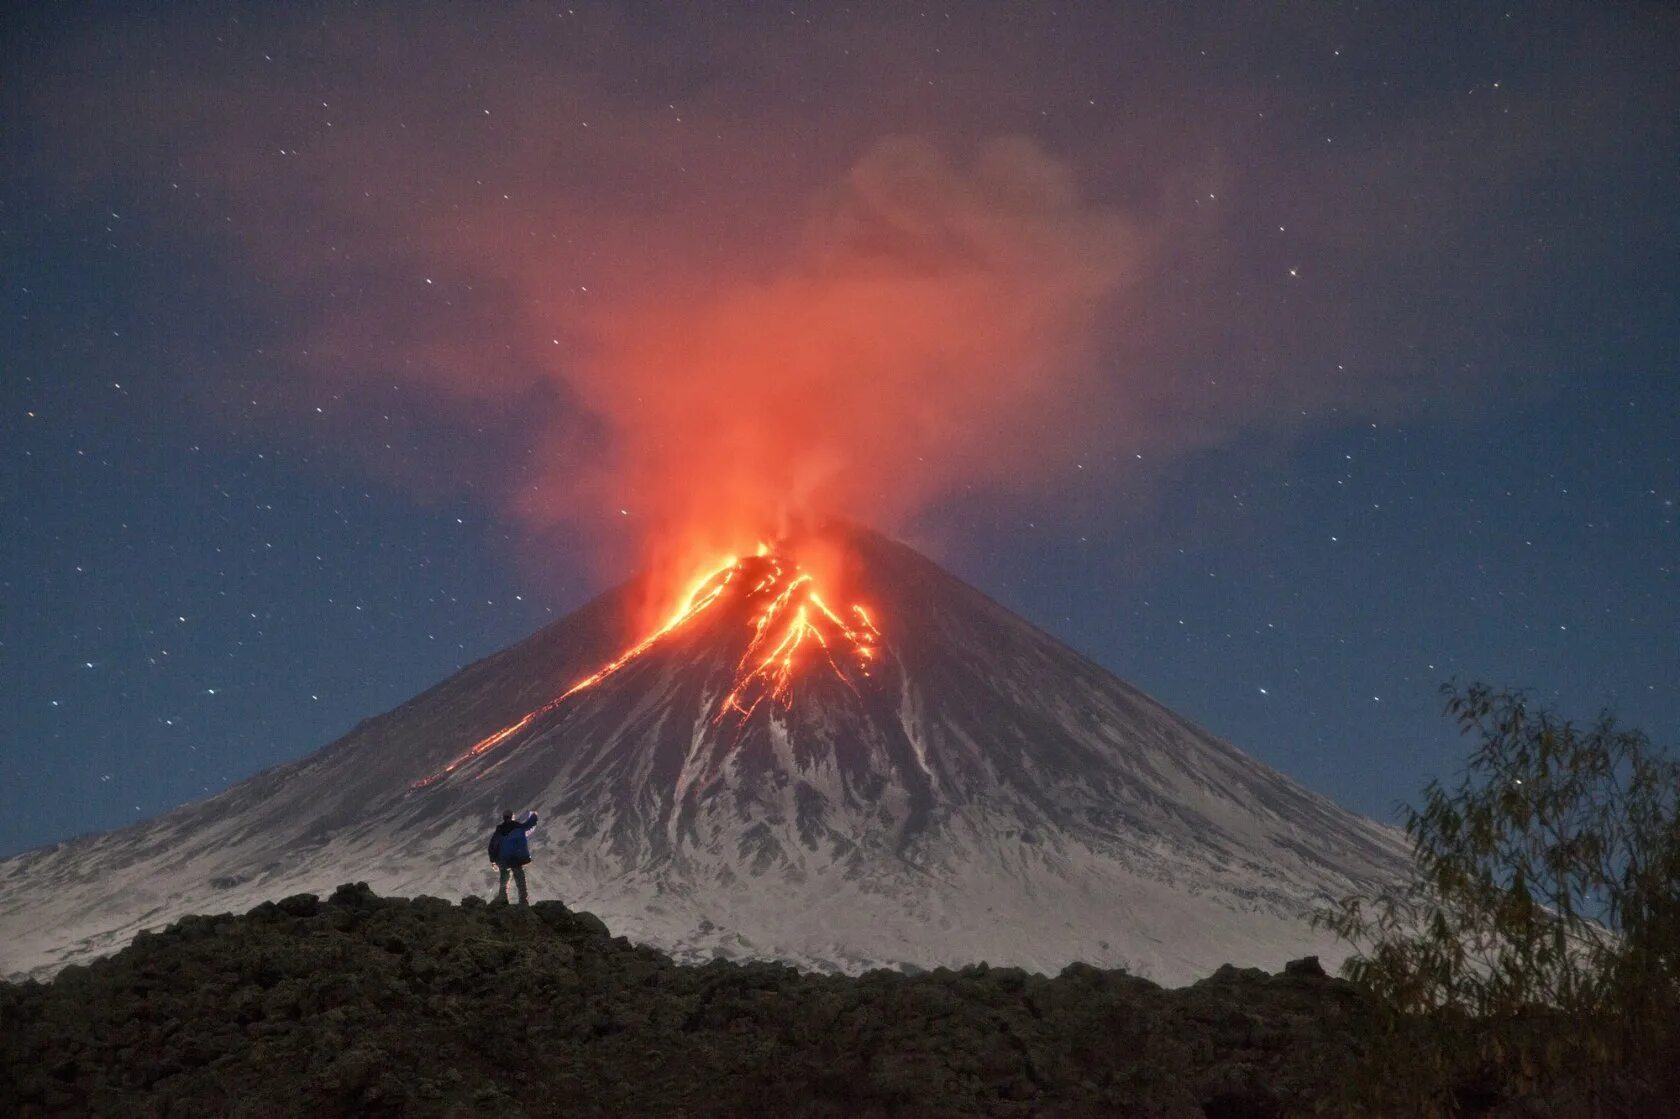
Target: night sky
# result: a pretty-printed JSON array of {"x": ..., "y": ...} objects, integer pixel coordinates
[{"x": 1352, "y": 338}]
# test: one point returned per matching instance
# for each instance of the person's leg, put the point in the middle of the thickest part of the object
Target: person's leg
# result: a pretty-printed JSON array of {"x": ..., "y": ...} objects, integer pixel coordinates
[
  {"x": 501, "y": 893},
  {"x": 519, "y": 880}
]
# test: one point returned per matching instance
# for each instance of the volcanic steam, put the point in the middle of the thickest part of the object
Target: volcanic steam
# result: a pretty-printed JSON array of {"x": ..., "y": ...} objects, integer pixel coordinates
[{"x": 929, "y": 330}]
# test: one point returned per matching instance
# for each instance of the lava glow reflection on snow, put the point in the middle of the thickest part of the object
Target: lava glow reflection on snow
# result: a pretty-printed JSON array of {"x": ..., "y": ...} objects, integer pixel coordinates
[{"x": 791, "y": 626}]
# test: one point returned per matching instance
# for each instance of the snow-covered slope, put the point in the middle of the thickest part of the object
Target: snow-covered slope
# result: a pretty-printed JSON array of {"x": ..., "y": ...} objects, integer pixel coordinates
[{"x": 960, "y": 786}]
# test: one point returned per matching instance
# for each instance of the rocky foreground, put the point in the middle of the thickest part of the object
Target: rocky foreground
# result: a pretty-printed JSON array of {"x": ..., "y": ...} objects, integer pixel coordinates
[{"x": 365, "y": 1005}]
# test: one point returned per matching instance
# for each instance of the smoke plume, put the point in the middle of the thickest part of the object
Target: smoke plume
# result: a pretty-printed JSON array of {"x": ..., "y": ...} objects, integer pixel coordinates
[
  {"x": 931, "y": 328},
  {"x": 660, "y": 283}
]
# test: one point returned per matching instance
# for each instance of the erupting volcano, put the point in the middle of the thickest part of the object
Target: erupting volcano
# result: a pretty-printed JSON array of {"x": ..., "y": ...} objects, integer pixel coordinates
[
  {"x": 830, "y": 751},
  {"x": 789, "y": 624}
]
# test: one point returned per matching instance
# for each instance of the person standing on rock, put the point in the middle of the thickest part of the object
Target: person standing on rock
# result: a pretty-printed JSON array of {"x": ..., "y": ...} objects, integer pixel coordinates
[{"x": 509, "y": 852}]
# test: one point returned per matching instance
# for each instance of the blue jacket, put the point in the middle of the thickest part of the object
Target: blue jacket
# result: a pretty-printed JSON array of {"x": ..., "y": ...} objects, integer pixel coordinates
[{"x": 508, "y": 846}]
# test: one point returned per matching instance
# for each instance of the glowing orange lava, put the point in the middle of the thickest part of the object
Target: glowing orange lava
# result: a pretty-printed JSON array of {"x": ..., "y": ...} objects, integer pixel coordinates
[{"x": 791, "y": 625}]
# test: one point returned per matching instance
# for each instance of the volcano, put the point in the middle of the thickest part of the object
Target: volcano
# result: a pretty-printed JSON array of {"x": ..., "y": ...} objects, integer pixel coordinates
[{"x": 874, "y": 765}]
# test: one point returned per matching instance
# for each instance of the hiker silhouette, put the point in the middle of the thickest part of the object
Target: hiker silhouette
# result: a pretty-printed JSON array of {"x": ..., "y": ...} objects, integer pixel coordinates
[{"x": 509, "y": 853}]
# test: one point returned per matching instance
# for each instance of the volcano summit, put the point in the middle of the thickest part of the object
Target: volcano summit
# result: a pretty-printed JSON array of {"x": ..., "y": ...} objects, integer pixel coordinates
[{"x": 856, "y": 762}]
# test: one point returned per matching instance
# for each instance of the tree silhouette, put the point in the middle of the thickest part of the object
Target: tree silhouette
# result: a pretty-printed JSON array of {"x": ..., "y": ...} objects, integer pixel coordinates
[{"x": 1535, "y": 950}]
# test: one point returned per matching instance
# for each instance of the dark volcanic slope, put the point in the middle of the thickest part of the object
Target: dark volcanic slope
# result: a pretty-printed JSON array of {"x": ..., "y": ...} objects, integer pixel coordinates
[{"x": 362, "y": 1005}]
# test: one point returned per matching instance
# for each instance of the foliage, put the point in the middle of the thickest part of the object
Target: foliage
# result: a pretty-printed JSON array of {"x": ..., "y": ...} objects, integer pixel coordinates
[{"x": 1535, "y": 953}]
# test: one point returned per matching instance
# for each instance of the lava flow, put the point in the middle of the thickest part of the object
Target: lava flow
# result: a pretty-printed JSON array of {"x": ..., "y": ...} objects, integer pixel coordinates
[{"x": 791, "y": 625}]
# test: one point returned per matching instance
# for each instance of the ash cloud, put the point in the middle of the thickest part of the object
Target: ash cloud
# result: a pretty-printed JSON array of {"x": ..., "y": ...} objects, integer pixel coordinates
[
  {"x": 693, "y": 265},
  {"x": 933, "y": 326}
]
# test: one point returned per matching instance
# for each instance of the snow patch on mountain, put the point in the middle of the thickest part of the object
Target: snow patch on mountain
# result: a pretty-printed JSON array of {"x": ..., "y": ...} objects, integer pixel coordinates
[{"x": 982, "y": 792}]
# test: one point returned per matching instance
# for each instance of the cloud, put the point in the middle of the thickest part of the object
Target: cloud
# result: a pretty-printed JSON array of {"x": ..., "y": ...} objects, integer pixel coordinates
[
  {"x": 711, "y": 269},
  {"x": 932, "y": 327}
]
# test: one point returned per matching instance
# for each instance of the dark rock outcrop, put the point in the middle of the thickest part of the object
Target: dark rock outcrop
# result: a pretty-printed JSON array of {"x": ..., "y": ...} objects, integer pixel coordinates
[{"x": 365, "y": 1005}]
